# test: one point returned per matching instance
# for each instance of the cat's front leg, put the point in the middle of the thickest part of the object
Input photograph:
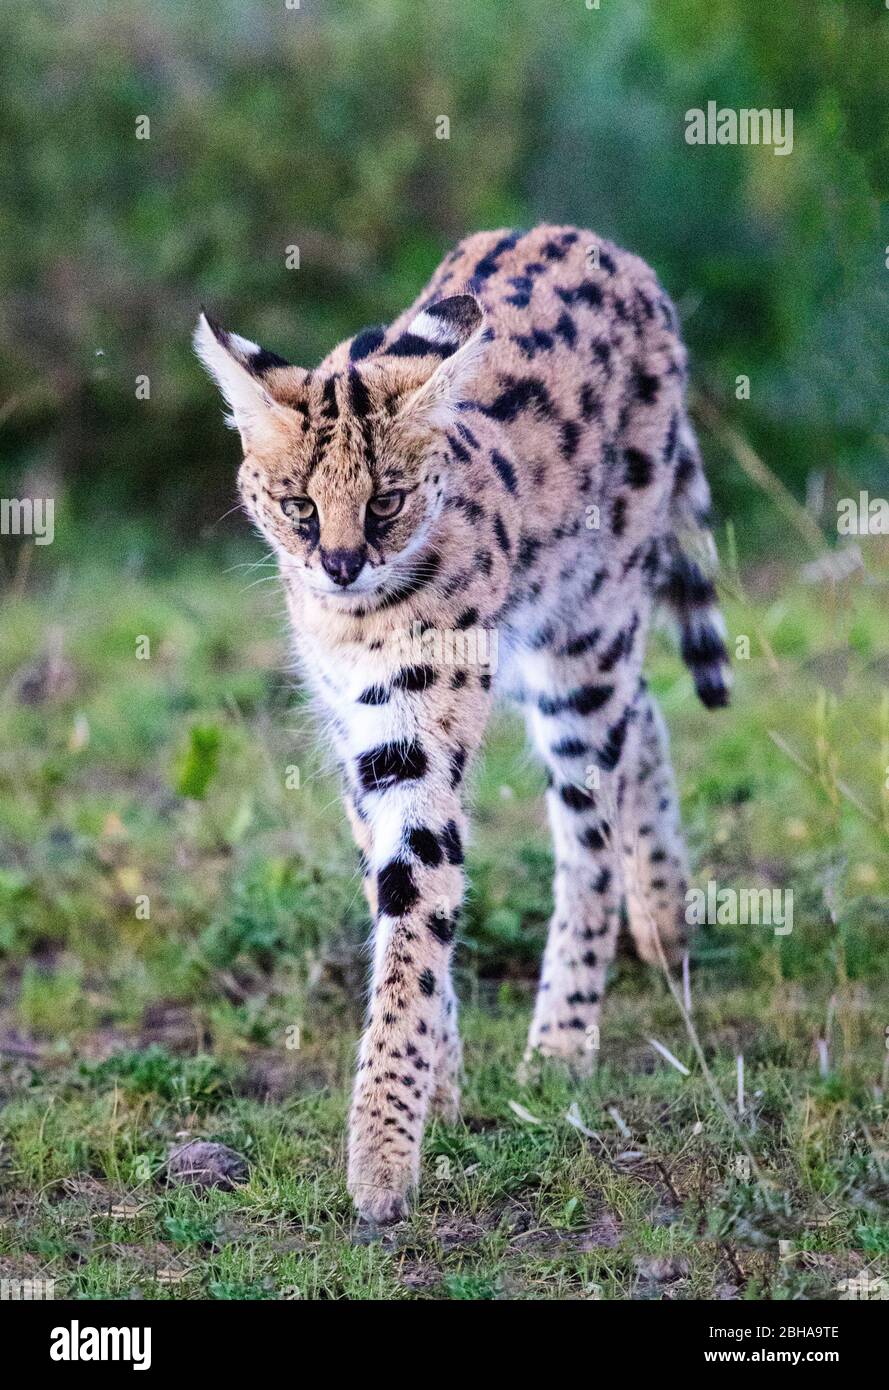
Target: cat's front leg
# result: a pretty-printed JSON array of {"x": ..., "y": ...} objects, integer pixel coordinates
[{"x": 409, "y": 1052}]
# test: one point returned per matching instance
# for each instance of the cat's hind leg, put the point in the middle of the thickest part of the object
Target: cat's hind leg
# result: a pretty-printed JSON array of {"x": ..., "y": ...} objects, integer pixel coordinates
[
  {"x": 581, "y": 717},
  {"x": 653, "y": 849}
]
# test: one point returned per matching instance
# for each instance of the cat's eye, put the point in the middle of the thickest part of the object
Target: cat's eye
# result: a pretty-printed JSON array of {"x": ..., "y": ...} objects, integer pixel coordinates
[
  {"x": 386, "y": 505},
  {"x": 298, "y": 508}
]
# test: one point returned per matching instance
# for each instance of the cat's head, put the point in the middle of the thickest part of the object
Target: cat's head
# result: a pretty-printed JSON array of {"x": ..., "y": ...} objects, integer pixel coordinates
[{"x": 343, "y": 472}]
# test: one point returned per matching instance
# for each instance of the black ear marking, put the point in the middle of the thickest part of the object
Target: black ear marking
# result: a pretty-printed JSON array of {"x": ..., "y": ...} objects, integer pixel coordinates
[
  {"x": 253, "y": 358},
  {"x": 216, "y": 328},
  {"x": 461, "y": 314},
  {"x": 440, "y": 328},
  {"x": 366, "y": 342},
  {"x": 262, "y": 361}
]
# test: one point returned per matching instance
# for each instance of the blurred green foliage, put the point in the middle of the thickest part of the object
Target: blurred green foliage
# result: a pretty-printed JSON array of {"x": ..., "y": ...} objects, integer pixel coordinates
[
  {"x": 315, "y": 127},
  {"x": 200, "y": 762},
  {"x": 154, "y": 1072}
]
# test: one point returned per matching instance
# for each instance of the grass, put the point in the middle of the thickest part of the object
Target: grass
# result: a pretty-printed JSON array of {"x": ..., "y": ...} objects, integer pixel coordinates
[{"x": 182, "y": 941}]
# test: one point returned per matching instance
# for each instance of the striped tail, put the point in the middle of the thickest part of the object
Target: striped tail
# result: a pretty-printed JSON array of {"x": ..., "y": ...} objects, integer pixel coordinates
[{"x": 687, "y": 588}]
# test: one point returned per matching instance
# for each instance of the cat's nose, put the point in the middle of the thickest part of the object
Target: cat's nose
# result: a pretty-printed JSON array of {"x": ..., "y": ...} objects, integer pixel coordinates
[{"x": 343, "y": 566}]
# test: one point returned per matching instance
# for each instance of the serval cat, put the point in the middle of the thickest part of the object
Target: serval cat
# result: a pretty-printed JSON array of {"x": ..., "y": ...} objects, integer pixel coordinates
[{"x": 508, "y": 467}]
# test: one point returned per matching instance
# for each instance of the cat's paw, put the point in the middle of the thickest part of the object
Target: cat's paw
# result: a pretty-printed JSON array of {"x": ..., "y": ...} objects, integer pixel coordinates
[
  {"x": 577, "y": 1062},
  {"x": 381, "y": 1178},
  {"x": 380, "y": 1206}
]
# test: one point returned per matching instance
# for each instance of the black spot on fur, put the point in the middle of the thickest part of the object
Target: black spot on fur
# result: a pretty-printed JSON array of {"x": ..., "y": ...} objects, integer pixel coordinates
[
  {"x": 488, "y": 263},
  {"x": 460, "y": 452},
  {"x": 672, "y": 437},
  {"x": 528, "y": 393},
  {"x": 608, "y": 756},
  {"x": 427, "y": 983},
  {"x": 570, "y": 438},
  {"x": 523, "y": 285},
  {"x": 595, "y": 583},
  {"x": 639, "y": 468},
  {"x": 425, "y": 572},
  {"x": 374, "y": 695},
  {"x": 620, "y": 646},
  {"x": 505, "y": 471},
  {"x": 601, "y": 351},
  {"x": 458, "y": 763},
  {"x": 535, "y": 341},
  {"x": 423, "y": 843},
  {"x": 396, "y": 891},
  {"x": 500, "y": 534},
  {"x": 570, "y": 748},
  {"x": 528, "y": 549},
  {"x": 329, "y": 407},
  {"x": 586, "y": 699},
  {"x": 584, "y": 643},
  {"x": 590, "y": 405},
  {"x": 359, "y": 396},
  {"x": 575, "y": 798},
  {"x": 685, "y": 471},
  {"x": 645, "y": 386},
  {"x": 542, "y": 637},
  {"x": 413, "y": 678},
  {"x": 390, "y": 763},
  {"x": 451, "y": 843},
  {"x": 588, "y": 292},
  {"x": 442, "y": 928},
  {"x": 566, "y": 329},
  {"x": 471, "y": 510}
]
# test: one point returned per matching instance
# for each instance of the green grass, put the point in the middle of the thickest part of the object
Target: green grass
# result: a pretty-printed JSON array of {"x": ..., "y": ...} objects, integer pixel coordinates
[{"x": 181, "y": 934}]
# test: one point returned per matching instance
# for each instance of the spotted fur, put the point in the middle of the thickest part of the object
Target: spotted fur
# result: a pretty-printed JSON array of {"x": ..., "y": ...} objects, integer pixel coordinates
[{"x": 528, "y": 411}]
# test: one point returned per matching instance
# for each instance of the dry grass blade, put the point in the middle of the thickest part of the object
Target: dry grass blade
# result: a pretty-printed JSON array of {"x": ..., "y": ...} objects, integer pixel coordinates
[{"x": 760, "y": 473}]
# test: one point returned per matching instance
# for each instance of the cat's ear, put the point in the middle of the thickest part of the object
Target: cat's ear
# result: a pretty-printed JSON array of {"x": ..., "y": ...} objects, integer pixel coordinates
[
  {"x": 453, "y": 329},
  {"x": 240, "y": 369}
]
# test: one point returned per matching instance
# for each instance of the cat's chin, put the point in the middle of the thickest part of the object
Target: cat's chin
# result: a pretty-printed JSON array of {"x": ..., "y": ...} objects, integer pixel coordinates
[{"x": 338, "y": 594}]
